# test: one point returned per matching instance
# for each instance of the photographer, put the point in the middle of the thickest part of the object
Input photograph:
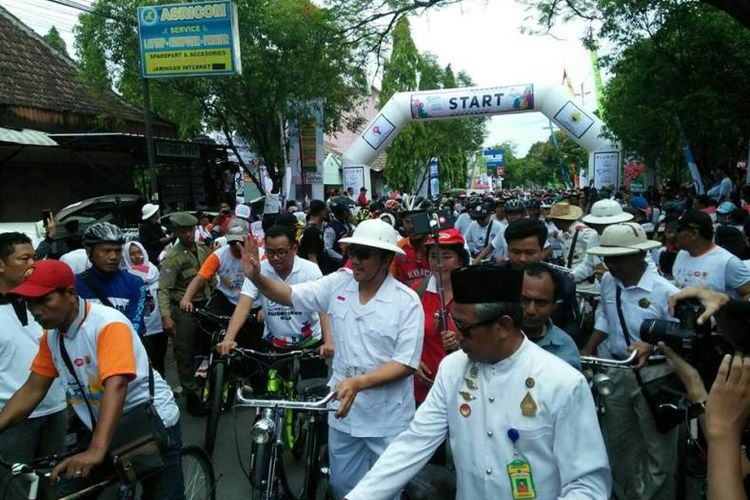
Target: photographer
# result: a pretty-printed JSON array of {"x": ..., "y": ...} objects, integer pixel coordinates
[
  {"x": 727, "y": 408},
  {"x": 642, "y": 458}
]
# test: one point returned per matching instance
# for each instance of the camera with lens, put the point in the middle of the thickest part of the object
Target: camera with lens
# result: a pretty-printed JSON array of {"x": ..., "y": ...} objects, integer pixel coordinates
[
  {"x": 431, "y": 221},
  {"x": 682, "y": 337}
]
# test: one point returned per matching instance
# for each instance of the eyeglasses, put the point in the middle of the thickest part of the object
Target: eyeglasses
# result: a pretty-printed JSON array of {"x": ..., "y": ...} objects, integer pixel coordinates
[
  {"x": 465, "y": 328},
  {"x": 281, "y": 253},
  {"x": 360, "y": 252}
]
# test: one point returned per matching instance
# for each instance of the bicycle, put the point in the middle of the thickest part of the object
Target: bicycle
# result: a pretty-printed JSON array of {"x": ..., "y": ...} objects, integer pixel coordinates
[
  {"x": 286, "y": 424},
  {"x": 601, "y": 386},
  {"x": 266, "y": 464},
  {"x": 197, "y": 470},
  {"x": 218, "y": 389}
]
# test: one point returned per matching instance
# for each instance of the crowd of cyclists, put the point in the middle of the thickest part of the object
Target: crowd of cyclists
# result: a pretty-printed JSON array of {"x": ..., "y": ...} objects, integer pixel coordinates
[{"x": 378, "y": 287}]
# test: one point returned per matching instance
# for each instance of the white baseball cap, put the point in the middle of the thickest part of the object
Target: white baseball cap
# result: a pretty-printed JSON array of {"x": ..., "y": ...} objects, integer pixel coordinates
[
  {"x": 627, "y": 238},
  {"x": 607, "y": 212},
  {"x": 375, "y": 233}
]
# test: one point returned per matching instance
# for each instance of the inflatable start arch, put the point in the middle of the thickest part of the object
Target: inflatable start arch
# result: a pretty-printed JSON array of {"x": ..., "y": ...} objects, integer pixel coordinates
[{"x": 553, "y": 101}]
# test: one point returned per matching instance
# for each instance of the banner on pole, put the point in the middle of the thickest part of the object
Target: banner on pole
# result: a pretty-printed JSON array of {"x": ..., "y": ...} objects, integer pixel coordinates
[
  {"x": 606, "y": 169},
  {"x": 434, "y": 179}
]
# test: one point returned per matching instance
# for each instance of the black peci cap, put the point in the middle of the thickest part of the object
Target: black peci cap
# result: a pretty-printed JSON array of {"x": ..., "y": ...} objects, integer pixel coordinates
[{"x": 486, "y": 284}]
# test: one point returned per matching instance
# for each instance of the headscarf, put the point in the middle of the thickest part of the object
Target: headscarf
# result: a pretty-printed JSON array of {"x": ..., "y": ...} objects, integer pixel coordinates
[{"x": 148, "y": 271}]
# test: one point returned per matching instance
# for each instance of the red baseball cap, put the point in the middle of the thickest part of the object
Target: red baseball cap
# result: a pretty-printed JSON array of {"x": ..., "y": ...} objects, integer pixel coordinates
[
  {"x": 44, "y": 277},
  {"x": 449, "y": 236}
]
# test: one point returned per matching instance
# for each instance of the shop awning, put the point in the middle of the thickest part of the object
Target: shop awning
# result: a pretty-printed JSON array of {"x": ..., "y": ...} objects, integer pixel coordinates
[{"x": 26, "y": 136}]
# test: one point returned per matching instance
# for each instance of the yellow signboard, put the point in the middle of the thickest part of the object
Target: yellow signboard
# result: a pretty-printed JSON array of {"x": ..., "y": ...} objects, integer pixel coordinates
[{"x": 188, "y": 61}]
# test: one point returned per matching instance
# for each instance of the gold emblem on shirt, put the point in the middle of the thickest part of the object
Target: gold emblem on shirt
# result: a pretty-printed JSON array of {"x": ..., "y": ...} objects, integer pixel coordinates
[
  {"x": 644, "y": 303},
  {"x": 528, "y": 406}
]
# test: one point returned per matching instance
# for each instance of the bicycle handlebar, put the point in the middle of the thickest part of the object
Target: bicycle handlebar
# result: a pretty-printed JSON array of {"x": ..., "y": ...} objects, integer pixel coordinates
[
  {"x": 628, "y": 362},
  {"x": 319, "y": 405},
  {"x": 253, "y": 354},
  {"x": 217, "y": 318}
]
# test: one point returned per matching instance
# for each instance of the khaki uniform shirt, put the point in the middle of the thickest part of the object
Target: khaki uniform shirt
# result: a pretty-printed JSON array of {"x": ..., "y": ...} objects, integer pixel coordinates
[{"x": 177, "y": 270}]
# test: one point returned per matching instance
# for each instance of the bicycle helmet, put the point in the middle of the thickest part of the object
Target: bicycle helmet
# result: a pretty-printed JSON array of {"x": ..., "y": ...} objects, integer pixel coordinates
[
  {"x": 103, "y": 232},
  {"x": 532, "y": 203},
  {"x": 393, "y": 206},
  {"x": 726, "y": 207},
  {"x": 361, "y": 215},
  {"x": 339, "y": 206},
  {"x": 514, "y": 205},
  {"x": 389, "y": 218}
]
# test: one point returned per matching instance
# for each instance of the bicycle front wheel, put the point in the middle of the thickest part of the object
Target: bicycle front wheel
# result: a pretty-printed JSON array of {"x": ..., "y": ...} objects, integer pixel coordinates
[
  {"x": 216, "y": 402},
  {"x": 198, "y": 474}
]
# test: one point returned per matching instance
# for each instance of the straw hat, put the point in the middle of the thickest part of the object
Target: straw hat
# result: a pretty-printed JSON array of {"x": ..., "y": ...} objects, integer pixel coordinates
[{"x": 565, "y": 211}]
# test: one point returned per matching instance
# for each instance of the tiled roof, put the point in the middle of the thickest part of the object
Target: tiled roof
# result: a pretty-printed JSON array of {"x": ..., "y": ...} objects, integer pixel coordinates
[{"x": 34, "y": 75}]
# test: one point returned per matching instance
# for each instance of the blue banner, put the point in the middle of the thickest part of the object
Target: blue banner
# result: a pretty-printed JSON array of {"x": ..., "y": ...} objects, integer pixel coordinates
[
  {"x": 189, "y": 39},
  {"x": 495, "y": 158}
]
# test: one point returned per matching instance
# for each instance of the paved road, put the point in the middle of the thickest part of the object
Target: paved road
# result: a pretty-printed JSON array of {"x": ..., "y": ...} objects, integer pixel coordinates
[{"x": 232, "y": 482}]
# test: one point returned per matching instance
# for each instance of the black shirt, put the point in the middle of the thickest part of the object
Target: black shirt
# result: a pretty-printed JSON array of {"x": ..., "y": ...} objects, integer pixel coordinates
[
  {"x": 149, "y": 235},
  {"x": 312, "y": 242}
]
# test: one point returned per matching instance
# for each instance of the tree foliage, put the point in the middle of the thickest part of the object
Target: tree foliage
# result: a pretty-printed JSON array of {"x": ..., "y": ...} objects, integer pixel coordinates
[
  {"x": 695, "y": 69},
  {"x": 541, "y": 165},
  {"x": 609, "y": 13},
  {"x": 55, "y": 41},
  {"x": 450, "y": 141},
  {"x": 290, "y": 54}
]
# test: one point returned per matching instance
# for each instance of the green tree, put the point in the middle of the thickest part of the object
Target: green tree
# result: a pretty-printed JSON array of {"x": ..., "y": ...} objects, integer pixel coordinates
[
  {"x": 54, "y": 39},
  {"x": 450, "y": 141},
  {"x": 408, "y": 154},
  {"x": 291, "y": 53},
  {"x": 606, "y": 12},
  {"x": 694, "y": 68}
]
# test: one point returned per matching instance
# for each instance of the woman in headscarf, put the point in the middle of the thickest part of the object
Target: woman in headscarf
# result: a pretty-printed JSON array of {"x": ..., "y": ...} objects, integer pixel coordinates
[{"x": 135, "y": 261}]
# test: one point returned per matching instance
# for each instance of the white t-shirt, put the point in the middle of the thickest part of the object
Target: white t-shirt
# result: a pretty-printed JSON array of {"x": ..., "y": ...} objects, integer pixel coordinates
[
  {"x": 478, "y": 237},
  {"x": 284, "y": 325},
  {"x": 716, "y": 269},
  {"x": 18, "y": 346},
  {"x": 462, "y": 223},
  {"x": 77, "y": 260}
]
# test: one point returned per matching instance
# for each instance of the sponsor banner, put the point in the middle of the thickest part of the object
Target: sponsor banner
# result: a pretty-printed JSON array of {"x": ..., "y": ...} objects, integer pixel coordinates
[
  {"x": 573, "y": 119},
  {"x": 472, "y": 101},
  {"x": 378, "y": 132},
  {"x": 606, "y": 169},
  {"x": 189, "y": 39}
]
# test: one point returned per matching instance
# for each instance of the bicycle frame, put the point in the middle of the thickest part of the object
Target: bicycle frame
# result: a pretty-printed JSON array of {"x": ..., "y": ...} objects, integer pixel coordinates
[
  {"x": 268, "y": 431},
  {"x": 276, "y": 384}
]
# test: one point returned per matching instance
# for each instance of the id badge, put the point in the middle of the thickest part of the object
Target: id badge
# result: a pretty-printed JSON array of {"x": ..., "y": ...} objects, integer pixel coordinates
[{"x": 521, "y": 482}]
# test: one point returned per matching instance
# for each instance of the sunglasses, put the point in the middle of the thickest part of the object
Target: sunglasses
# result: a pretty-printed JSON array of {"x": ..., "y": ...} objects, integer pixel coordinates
[
  {"x": 465, "y": 328},
  {"x": 360, "y": 252}
]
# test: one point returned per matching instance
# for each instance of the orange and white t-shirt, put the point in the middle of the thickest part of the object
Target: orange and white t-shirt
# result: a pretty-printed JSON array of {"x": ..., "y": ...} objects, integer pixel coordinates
[
  {"x": 228, "y": 269},
  {"x": 101, "y": 343}
]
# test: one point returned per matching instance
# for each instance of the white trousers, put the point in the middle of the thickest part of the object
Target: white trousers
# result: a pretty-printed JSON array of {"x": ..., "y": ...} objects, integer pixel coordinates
[{"x": 350, "y": 458}]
